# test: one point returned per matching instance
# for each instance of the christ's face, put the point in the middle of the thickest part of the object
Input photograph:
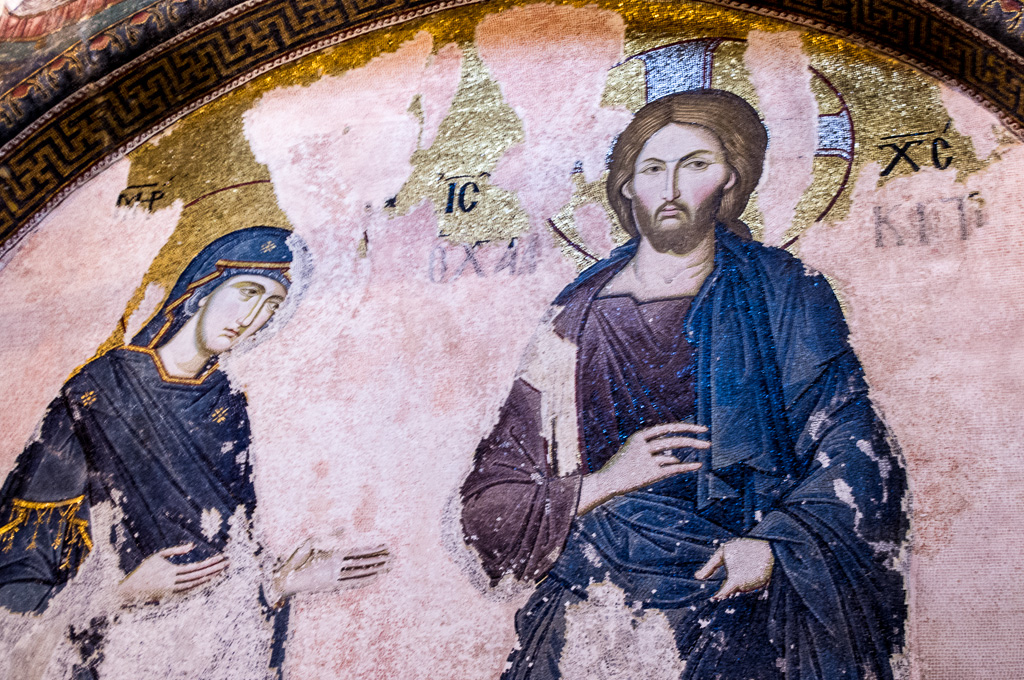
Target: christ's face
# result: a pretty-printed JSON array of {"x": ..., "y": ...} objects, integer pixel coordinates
[
  {"x": 677, "y": 186},
  {"x": 235, "y": 310}
]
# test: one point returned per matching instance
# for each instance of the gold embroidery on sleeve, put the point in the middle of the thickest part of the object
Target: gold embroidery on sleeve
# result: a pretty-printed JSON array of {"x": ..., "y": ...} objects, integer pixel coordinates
[{"x": 32, "y": 515}]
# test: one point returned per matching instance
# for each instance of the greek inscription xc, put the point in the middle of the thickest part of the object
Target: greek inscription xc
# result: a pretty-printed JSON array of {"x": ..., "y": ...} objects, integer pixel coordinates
[{"x": 901, "y": 148}]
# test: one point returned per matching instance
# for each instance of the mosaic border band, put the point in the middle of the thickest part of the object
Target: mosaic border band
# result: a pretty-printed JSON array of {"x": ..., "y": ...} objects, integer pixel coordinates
[{"x": 104, "y": 120}]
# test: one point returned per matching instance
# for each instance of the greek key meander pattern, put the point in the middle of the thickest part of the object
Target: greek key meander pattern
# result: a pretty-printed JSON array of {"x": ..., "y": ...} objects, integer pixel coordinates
[
  {"x": 96, "y": 55},
  {"x": 105, "y": 119}
]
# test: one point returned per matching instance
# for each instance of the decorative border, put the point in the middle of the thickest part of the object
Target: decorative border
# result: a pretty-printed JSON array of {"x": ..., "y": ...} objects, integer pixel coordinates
[
  {"x": 104, "y": 120},
  {"x": 81, "y": 62},
  {"x": 1001, "y": 19}
]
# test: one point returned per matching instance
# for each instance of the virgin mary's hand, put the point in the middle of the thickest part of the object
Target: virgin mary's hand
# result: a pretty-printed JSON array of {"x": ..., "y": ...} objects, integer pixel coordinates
[
  {"x": 309, "y": 570},
  {"x": 157, "y": 577}
]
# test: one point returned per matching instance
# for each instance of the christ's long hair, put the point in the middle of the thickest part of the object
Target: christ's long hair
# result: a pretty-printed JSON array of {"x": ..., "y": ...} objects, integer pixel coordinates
[{"x": 729, "y": 117}]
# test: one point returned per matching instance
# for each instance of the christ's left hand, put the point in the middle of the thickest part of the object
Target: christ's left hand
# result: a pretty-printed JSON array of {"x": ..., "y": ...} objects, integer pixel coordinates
[{"x": 748, "y": 566}]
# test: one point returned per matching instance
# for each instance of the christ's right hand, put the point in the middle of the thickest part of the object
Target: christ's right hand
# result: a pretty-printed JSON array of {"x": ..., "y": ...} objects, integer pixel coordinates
[
  {"x": 644, "y": 459},
  {"x": 157, "y": 577}
]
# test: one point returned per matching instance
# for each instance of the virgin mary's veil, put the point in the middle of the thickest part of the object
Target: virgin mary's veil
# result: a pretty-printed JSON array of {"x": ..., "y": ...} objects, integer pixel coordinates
[
  {"x": 272, "y": 252},
  {"x": 300, "y": 274}
]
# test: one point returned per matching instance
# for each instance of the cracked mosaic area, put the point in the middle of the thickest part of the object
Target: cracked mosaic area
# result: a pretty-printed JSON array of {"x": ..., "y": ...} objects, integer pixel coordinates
[{"x": 407, "y": 391}]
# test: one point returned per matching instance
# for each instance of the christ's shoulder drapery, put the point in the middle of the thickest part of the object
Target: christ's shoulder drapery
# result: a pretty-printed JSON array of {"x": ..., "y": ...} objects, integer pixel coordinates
[{"x": 798, "y": 458}]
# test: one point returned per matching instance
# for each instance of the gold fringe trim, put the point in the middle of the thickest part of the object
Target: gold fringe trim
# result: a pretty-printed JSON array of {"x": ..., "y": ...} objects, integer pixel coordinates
[{"x": 34, "y": 514}]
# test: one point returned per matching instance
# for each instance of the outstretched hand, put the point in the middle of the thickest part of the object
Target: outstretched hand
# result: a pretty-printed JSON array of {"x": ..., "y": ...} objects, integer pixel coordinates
[
  {"x": 748, "y": 566},
  {"x": 157, "y": 577},
  {"x": 309, "y": 570},
  {"x": 646, "y": 457}
]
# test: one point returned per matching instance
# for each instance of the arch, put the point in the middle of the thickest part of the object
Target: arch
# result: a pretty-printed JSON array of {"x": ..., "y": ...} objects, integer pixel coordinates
[{"x": 47, "y": 155}]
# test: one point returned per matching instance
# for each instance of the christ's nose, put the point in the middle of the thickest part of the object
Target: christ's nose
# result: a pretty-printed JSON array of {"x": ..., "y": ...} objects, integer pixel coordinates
[{"x": 671, "y": 190}]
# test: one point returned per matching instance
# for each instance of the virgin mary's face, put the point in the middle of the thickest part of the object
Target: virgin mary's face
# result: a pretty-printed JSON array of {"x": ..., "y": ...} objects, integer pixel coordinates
[{"x": 235, "y": 310}]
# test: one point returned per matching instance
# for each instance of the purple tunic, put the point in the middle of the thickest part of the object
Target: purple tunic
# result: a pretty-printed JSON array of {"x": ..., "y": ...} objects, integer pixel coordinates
[
  {"x": 636, "y": 371},
  {"x": 766, "y": 366}
]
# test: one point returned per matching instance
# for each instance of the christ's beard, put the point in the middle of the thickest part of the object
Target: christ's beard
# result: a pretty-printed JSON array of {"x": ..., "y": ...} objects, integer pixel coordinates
[{"x": 689, "y": 230}]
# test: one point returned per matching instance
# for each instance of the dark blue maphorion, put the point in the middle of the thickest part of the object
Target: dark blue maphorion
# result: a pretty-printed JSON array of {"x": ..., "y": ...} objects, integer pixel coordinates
[{"x": 162, "y": 449}]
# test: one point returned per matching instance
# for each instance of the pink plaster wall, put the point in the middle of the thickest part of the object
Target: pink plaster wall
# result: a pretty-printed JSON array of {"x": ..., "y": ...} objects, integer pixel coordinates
[
  {"x": 778, "y": 71},
  {"x": 938, "y": 328},
  {"x": 62, "y": 293},
  {"x": 533, "y": 52},
  {"x": 368, "y": 404},
  {"x": 366, "y": 407}
]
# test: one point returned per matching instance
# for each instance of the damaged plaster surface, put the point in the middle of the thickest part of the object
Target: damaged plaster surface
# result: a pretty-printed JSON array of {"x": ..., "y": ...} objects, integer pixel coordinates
[{"x": 367, "y": 405}]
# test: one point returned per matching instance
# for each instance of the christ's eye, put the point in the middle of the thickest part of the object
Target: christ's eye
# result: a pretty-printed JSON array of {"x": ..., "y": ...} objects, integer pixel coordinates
[
  {"x": 697, "y": 165},
  {"x": 651, "y": 170}
]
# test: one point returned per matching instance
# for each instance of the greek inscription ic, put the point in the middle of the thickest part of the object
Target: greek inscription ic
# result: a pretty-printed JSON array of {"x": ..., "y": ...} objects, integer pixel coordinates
[
  {"x": 460, "y": 189},
  {"x": 462, "y": 192}
]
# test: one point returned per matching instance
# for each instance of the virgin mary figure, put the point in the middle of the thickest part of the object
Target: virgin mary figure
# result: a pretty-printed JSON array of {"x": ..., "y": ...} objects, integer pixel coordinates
[{"x": 145, "y": 450}]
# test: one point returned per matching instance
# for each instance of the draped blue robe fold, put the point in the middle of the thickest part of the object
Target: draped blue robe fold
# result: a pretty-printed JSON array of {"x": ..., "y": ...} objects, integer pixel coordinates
[
  {"x": 798, "y": 458},
  {"x": 171, "y": 454},
  {"x": 163, "y": 451}
]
